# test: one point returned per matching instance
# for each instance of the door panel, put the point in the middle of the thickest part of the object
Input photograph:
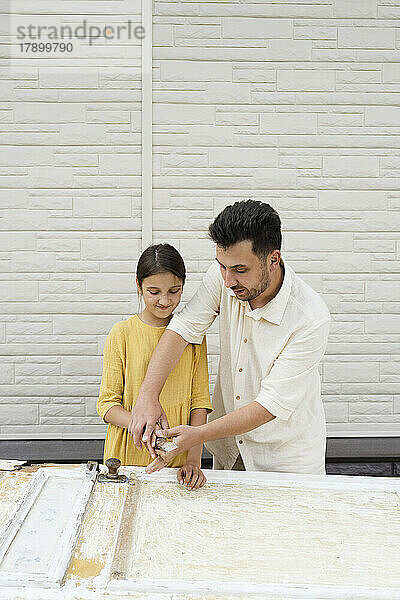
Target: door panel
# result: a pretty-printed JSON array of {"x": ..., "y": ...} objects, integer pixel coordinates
[
  {"x": 36, "y": 543},
  {"x": 96, "y": 543},
  {"x": 247, "y": 532}
]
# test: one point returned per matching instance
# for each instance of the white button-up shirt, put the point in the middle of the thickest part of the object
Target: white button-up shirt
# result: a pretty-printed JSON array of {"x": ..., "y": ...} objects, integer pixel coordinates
[{"x": 270, "y": 355}]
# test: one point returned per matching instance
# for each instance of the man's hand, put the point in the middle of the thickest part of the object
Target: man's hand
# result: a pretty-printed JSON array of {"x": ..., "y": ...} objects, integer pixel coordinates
[
  {"x": 184, "y": 437},
  {"x": 191, "y": 476},
  {"x": 145, "y": 415}
]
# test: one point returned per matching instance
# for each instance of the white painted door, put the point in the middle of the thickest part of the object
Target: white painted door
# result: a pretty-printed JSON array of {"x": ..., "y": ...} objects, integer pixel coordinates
[{"x": 244, "y": 534}]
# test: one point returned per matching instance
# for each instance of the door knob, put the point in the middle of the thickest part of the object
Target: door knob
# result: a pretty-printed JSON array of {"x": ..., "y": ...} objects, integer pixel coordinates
[{"x": 112, "y": 464}]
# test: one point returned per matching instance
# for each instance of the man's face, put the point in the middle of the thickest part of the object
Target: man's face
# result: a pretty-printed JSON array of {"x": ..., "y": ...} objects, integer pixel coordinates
[{"x": 242, "y": 271}]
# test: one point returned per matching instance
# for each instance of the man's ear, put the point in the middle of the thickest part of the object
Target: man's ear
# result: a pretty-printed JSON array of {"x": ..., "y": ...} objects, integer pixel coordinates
[{"x": 275, "y": 259}]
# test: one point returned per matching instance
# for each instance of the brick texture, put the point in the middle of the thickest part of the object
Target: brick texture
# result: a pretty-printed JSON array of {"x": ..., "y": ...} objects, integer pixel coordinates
[
  {"x": 296, "y": 104},
  {"x": 293, "y": 103},
  {"x": 70, "y": 198}
]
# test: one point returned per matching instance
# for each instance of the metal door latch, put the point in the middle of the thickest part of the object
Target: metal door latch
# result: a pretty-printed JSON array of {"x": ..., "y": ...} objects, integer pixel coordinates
[{"x": 112, "y": 464}]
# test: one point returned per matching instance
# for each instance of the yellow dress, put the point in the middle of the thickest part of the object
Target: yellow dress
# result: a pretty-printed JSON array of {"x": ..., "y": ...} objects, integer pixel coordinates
[{"x": 127, "y": 353}]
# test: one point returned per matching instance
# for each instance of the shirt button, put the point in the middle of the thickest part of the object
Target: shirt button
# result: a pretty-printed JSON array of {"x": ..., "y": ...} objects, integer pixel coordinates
[
  {"x": 237, "y": 397},
  {"x": 245, "y": 340},
  {"x": 240, "y": 370},
  {"x": 240, "y": 441}
]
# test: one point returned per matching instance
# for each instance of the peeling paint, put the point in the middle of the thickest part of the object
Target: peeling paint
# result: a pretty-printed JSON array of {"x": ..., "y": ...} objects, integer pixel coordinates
[
  {"x": 98, "y": 531},
  {"x": 13, "y": 486},
  {"x": 11, "y": 465}
]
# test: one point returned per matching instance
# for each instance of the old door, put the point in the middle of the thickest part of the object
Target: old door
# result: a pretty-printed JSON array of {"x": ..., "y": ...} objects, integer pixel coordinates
[{"x": 65, "y": 534}]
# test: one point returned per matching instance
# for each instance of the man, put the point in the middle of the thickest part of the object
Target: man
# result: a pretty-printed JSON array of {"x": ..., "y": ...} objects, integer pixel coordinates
[{"x": 268, "y": 413}]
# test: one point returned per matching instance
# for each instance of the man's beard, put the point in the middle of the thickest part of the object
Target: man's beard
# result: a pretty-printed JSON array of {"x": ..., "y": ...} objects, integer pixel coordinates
[{"x": 253, "y": 293}]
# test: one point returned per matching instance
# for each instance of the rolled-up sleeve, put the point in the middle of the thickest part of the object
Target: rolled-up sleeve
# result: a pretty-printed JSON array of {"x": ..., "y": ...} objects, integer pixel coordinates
[
  {"x": 294, "y": 371},
  {"x": 112, "y": 382},
  {"x": 200, "y": 383},
  {"x": 199, "y": 313}
]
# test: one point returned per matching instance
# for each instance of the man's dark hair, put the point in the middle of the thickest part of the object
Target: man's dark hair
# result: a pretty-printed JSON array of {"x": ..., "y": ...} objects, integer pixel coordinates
[
  {"x": 248, "y": 220},
  {"x": 160, "y": 258}
]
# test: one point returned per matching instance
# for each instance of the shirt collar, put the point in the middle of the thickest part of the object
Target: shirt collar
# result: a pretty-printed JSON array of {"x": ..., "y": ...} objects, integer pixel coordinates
[{"x": 274, "y": 309}]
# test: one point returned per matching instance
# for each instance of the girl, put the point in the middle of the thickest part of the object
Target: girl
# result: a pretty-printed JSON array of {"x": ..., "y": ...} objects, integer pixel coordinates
[{"x": 185, "y": 398}]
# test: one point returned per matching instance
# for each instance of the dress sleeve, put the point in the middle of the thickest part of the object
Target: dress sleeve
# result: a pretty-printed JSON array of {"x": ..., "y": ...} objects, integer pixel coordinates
[
  {"x": 293, "y": 373},
  {"x": 112, "y": 382},
  {"x": 200, "y": 388},
  {"x": 199, "y": 313}
]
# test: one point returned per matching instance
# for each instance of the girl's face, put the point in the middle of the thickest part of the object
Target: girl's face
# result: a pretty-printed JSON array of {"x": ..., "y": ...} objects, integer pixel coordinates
[{"x": 161, "y": 294}]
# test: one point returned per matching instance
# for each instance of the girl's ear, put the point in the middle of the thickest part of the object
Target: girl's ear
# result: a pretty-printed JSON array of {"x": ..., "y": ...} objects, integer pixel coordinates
[{"x": 139, "y": 289}]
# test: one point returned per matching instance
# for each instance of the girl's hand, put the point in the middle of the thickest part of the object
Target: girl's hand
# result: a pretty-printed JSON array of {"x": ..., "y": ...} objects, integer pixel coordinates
[
  {"x": 191, "y": 476},
  {"x": 184, "y": 437}
]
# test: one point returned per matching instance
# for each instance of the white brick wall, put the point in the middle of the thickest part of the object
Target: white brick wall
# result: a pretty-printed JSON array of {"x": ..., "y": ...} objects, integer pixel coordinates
[
  {"x": 295, "y": 103},
  {"x": 70, "y": 203}
]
